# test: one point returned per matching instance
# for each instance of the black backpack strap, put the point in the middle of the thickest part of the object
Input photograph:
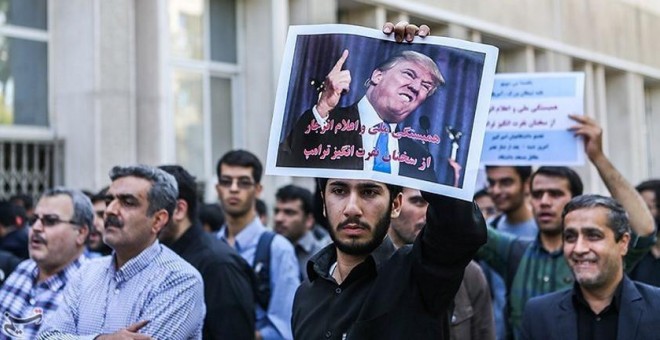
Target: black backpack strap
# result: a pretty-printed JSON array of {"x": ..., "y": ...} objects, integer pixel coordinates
[
  {"x": 495, "y": 221},
  {"x": 261, "y": 267}
]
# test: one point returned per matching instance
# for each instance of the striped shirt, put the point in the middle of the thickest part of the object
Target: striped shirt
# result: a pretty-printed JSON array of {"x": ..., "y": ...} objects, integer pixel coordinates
[
  {"x": 21, "y": 297},
  {"x": 157, "y": 285},
  {"x": 532, "y": 271}
]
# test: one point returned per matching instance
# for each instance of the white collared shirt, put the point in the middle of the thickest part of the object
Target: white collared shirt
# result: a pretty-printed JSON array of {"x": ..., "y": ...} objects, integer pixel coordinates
[{"x": 369, "y": 118}]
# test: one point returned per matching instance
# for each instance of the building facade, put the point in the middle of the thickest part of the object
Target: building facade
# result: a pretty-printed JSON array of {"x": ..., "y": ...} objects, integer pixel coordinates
[{"x": 87, "y": 84}]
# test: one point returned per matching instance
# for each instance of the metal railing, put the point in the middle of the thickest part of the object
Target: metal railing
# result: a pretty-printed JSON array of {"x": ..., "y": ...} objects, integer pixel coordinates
[{"x": 29, "y": 167}]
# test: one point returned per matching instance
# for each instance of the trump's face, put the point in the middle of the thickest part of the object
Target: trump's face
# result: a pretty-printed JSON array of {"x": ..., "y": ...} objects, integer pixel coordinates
[{"x": 398, "y": 91}]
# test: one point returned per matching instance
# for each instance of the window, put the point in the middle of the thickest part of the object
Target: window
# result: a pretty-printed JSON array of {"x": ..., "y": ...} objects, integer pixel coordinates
[
  {"x": 23, "y": 63},
  {"x": 204, "y": 70}
]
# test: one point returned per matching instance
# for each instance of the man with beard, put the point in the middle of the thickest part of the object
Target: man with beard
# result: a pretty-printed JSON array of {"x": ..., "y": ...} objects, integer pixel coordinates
[
  {"x": 239, "y": 176},
  {"x": 603, "y": 303},
  {"x": 95, "y": 245},
  {"x": 358, "y": 289},
  {"x": 533, "y": 268},
  {"x": 59, "y": 227},
  {"x": 144, "y": 290}
]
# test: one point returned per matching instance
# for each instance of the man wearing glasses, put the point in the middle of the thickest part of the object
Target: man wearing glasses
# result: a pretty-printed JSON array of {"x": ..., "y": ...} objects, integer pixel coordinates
[
  {"x": 57, "y": 235},
  {"x": 239, "y": 175}
]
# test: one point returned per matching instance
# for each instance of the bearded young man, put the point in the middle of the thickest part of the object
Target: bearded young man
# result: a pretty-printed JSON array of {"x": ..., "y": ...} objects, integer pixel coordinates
[{"x": 358, "y": 289}]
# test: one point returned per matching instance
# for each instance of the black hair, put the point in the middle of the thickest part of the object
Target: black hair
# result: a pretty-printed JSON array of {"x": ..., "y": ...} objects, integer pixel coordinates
[
  {"x": 523, "y": 171},
  {"x": 617, "y": 219},
  {"x": 8, "y": 214},
  {"x": 101, "y": 195},
  {"x": 292, "y": 192},
  {"x": 244, "y": 159},
  {"x": 212, "y": 215},
  {"x": 187, "y": 188},
  {"x": 651, "y": 185},
  {"x": 260, "y": 206},
  {"x": 27, "y": 200},
  {"x": 394, "y": 190},
  {"x": 481, "y": 193},
  {"x": 574, "y": 181}
]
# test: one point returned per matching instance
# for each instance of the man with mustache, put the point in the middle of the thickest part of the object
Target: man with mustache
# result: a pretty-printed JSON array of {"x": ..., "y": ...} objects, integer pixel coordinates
[
  {"x": 144, "y": 290},
  {"x": 395, "y": 89},
  {"x": 59, "y": 227},
  {"x": 603, "y": 303}
]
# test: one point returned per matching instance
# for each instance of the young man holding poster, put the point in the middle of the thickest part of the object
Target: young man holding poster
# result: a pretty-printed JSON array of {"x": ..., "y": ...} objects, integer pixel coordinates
[{"x": 359, "y": 290}]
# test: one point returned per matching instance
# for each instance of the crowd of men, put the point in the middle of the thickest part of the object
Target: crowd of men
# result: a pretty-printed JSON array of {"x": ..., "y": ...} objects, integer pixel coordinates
[{"x": 533, "y": 257}]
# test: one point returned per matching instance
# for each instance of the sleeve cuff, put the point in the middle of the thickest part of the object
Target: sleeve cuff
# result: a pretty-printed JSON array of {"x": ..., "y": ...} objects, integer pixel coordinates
[
  {"x": 644, "y": 241},
  {"x": 322, "y": 121}
]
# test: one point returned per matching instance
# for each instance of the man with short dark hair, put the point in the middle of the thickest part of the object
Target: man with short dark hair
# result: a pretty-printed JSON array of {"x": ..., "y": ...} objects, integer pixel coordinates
[
  {"x": 228, "y": 281},
  {"x": 57, "y": 234},
  {"x": 358, "y": 289},
  {"x": 603, "y": 303},
  {"x": 239, "y": 176},
  {"x": 294, "y": 220},
  {"x": 144, "y": 290},
  {"x": 95, "y": 245},
  {"x": 536, "y": 267},
  {"x": 507, "y": 186}
]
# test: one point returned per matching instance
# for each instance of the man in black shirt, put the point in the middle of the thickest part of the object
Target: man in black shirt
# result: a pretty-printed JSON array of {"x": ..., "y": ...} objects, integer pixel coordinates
[
  {"x": 358, "y": 290},
  {"x": 228, "y": 280},
  {"x": 604, "y": 303}
]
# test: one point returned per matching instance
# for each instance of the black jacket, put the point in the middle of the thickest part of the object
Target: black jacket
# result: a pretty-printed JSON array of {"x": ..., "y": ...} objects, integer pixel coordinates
[
  {"x": 228, "y": 284},
  {"x": 8, "y": 263},
  {"x": 553, "y": 316},
  {"x": 402, "y": 296}
]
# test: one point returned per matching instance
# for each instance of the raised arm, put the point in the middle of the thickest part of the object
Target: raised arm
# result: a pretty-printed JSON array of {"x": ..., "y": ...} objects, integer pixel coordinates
[
  {"x": 454, "y": 230},
  {"x": 621, "y": 190}
]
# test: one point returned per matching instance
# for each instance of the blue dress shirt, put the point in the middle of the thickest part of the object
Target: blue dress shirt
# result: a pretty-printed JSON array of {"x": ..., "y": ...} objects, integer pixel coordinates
[
  {"x": 284, "y": 279},
  {"x": 157, "y": 285}
]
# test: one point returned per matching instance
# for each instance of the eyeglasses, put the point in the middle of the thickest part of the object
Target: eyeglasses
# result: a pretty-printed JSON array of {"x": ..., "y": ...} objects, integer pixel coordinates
[
  {"x": 241, "y": 183},
  {"x": 49, "y": 220}
]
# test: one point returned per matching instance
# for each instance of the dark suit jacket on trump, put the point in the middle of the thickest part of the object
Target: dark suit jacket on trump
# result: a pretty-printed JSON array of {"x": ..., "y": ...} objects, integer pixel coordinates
[
  {"x": 553, "y": 316},
  {"x": 345, "y": 132}
]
